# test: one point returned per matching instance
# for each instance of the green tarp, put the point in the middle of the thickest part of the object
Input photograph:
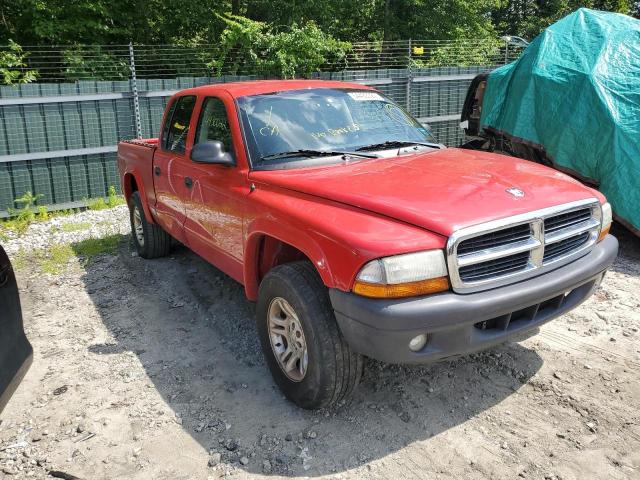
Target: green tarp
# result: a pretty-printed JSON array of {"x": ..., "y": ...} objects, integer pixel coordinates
[{"x": 575, "y": 91}]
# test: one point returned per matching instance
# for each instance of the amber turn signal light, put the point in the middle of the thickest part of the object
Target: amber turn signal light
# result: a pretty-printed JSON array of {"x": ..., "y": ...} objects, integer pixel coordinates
[
  {"x": 401, "y": 290},
  {"x": 604, "y": 232},
  {"x": 606, "y": 217}
]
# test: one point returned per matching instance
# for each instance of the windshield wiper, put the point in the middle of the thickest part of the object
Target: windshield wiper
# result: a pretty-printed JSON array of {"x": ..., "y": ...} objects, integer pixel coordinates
[
  {"x": 313, "y": 153},
  {"x": 395, "y": 144}
]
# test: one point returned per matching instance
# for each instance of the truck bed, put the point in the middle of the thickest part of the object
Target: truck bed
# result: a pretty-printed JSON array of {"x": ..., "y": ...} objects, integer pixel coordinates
[{"x": 135, "y": 157}]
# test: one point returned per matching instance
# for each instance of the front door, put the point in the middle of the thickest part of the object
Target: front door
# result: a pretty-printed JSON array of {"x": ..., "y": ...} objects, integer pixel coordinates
[
  {"x": 171, "y": 167},
  {"x": 214, "y": 211}
]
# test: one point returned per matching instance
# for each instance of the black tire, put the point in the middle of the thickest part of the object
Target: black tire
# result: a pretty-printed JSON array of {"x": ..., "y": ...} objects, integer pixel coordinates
[
  {"x": 155, "y": 242},
  {"x": 334, "y": 369}
]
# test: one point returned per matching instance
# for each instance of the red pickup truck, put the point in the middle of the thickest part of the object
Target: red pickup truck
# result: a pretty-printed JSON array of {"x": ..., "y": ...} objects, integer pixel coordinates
[{"x": 355, "y": 233}]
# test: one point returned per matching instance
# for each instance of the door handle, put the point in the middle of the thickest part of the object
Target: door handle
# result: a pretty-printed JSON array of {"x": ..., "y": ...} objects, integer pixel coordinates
[
  {"x": 156, "y": 170},
  {"x": 188, "y": 182}
]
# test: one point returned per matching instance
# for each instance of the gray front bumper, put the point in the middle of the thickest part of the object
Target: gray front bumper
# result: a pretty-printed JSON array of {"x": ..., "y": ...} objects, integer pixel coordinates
[{"x": 382, "y": 329}]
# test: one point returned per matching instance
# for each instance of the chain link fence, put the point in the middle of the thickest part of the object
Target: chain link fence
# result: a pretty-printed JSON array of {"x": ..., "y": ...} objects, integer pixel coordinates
[{"x": 58, "y": 134}]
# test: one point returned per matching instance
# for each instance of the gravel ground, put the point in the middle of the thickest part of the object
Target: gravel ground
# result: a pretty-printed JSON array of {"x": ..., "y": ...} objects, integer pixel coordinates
[
  {"x": 152, "y": 370},
  {"x": 69, "y": 229}
]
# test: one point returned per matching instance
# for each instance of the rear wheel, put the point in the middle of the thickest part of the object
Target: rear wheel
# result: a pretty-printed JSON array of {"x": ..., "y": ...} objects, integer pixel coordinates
[
  {"x": 150, "y": 240},
  {"x": 309, "y": 359}
]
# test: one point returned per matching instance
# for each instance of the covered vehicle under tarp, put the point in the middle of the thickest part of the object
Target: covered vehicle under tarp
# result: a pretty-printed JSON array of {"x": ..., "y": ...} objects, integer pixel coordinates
[{"x": 575, "y": 94}]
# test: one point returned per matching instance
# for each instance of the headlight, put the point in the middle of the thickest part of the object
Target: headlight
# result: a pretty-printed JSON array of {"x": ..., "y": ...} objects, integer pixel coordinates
[
  {"x": 405, "y": 275},
  {"x": 607, "y": 218}
]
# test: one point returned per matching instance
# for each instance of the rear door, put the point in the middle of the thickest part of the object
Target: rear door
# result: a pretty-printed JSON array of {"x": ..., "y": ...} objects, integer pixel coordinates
[
  {"x": 15, "y": 350},
  {"x": 171, "y": 166}
]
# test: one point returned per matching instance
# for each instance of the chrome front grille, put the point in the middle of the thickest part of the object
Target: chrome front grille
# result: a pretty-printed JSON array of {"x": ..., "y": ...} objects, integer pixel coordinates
[
  {"x": 505, "y": 251},
  {"x": 564, "y": 220},
  {"x": 493, "y": 268},
  {"x": 495, "y": 239}
]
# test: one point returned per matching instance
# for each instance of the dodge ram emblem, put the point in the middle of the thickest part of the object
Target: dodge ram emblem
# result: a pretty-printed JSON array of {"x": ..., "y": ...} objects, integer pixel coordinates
[{"x": 516, "y": 192}]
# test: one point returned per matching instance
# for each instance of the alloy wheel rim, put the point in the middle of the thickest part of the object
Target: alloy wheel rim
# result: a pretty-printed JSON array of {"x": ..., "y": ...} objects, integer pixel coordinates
[
  {"x": 137, "y": 226},
  {"x": 287, "y": 339}
]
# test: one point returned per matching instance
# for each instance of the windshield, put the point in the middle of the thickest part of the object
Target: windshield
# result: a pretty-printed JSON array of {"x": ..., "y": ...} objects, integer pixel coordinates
[{"x": 323, "y": 119}]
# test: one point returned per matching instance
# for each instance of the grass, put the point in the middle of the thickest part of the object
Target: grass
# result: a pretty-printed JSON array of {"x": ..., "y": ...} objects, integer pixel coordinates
[
  {"x": 19, "y": 260},
  {"x": 20, "y": 219},
  {"x": 18, "y": 225},
  {"x": 55, "y": 259},
  {"x": 97, "y": 204},
  {"x": 23, "y": 217},
  {"x": 75, "y": 226},
  {"x": 112, "y": 200},
  {"x": 97, "y": 246}
]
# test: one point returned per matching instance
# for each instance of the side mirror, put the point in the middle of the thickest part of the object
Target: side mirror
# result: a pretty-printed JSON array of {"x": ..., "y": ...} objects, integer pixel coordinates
[{"x": 211, "y": 152}]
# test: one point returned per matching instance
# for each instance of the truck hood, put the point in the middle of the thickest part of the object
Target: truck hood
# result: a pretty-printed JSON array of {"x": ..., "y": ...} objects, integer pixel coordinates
[{"x": 441, "y": 191}]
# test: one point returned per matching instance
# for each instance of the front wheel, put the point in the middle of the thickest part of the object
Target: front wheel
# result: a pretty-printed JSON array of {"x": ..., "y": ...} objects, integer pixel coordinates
[{"x": 309, "y": 359}]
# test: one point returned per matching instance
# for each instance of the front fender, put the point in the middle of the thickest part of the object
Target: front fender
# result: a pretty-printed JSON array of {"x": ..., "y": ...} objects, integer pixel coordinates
[
  {"x": 339, "y": 239},
  {"x": 288, "y": 234}
]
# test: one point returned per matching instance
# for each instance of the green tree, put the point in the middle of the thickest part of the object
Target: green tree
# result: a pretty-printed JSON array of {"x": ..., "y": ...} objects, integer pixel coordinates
[
  {"x": 117, "y": 22},
  {"x": 439, "y": 19},
  {"x": 464, "y": 53},
  {"x": 63, "y": 22},
  {"x": 13, "y": 66},
  {"x": 527, "y": 18},
  {"x": 95, "y": 64},
  {"x": 250, "y": 47}
]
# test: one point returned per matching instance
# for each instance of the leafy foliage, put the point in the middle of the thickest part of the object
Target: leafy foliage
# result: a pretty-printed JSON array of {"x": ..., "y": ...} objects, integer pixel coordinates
[
  {"x": 438, "y": 19},
  {"x": 247, "y": 46},
  {"x": 82, "y": 63},
  {"x": 112, "y": 200},
  {"x": 117, "y": 22},
  {"x": 29, "y": 212},
  {"x": 21, "y": 218},
  {"x": 528, "y": 18},
  {"x": 463, "y": 53},
  {"x": 282, "y": 38},
  {"x": 13, "y": 66},
  {"x": 28, "y": 202}
]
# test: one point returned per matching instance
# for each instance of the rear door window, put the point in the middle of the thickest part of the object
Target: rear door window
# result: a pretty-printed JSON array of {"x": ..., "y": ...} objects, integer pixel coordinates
[{"x": 178, "y": 127}]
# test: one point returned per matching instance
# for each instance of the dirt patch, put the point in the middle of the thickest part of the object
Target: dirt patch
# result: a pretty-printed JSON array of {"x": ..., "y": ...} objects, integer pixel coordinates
[{"x": 152, "y": 370}]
